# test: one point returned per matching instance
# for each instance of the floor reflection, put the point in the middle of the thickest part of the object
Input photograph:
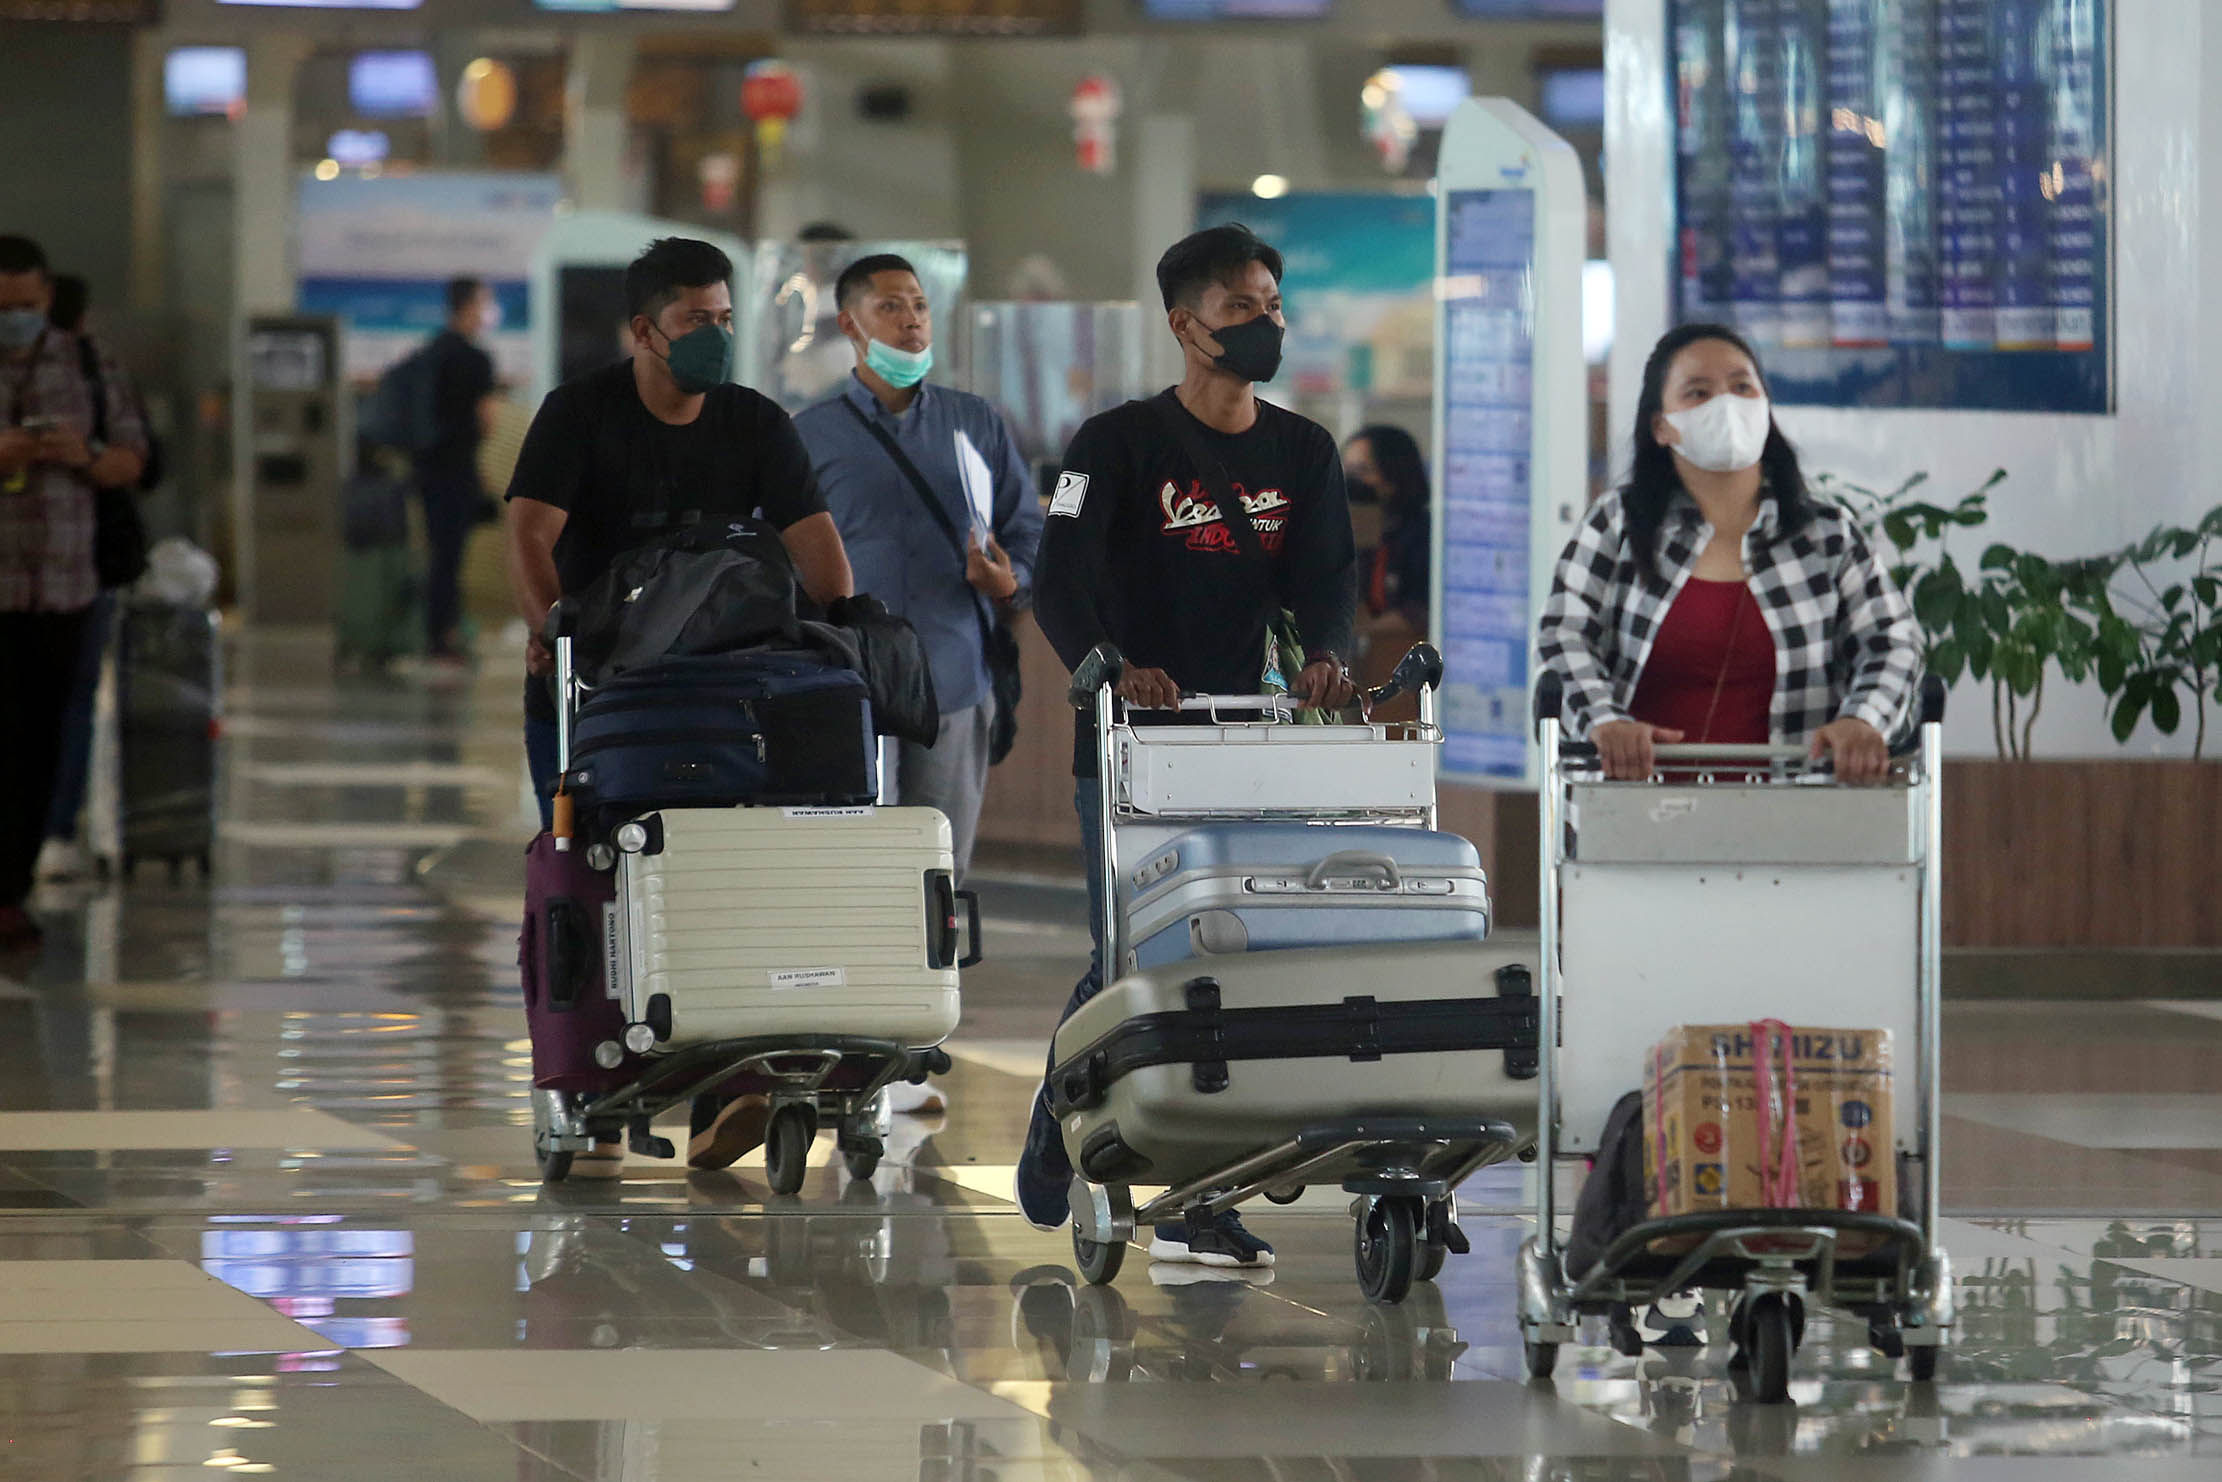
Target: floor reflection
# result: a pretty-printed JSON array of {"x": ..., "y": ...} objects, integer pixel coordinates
[{"x": 268, "y": 1207}]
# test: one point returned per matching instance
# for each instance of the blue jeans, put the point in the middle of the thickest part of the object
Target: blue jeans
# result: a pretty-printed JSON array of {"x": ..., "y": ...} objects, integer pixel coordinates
[
  {"x": 1084, "y": 802},
  {"x": 75, "y": 762}
]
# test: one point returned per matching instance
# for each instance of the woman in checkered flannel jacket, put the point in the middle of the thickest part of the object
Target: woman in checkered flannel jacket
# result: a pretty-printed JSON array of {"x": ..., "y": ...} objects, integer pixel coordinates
[{"x": 1713, "y": 598}]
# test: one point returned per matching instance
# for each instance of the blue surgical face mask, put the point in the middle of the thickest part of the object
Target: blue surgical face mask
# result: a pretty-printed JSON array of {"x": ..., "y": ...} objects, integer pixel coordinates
[
  {"x": 898, "y": 368},
  {"x": 20, "y": 328}
]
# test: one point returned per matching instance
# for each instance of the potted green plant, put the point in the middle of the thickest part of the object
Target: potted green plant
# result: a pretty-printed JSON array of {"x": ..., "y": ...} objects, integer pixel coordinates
[{"x": 2146, "y": 630}]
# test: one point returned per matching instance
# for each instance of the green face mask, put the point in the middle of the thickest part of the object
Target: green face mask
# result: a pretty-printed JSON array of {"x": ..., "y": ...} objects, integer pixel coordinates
[
  {"x": 899, "y": 368},
  {"x": 701, "y": 358}
]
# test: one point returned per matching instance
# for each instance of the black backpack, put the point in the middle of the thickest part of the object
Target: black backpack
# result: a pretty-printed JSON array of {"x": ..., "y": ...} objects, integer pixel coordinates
[
  {"x": 717, "y": 587},
  {"x": 1614, "y": 1199}
]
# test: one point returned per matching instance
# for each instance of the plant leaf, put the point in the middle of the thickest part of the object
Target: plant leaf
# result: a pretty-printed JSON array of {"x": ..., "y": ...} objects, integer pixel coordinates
[
  {"x": 1997, "y": 611},
  {"x": 2167, "y": 709},
  {"x": 1936, "y": 597},
  {"x": 2127, "y": 713},
  {"x": 1998, "y": 556},
  {"x": 1947, "y": 660}
]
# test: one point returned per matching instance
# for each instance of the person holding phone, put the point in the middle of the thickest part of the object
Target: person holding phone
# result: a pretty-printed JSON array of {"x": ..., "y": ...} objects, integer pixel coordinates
[{"x": 51, "y": 464}]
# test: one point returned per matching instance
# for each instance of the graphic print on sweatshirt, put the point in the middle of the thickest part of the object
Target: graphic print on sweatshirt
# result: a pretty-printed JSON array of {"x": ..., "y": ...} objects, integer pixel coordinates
[{"x": 1197, "y": 518}]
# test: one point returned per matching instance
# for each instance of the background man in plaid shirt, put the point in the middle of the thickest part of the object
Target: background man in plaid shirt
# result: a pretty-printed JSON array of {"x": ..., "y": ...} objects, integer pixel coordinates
[{"x": 50, "y": 465}]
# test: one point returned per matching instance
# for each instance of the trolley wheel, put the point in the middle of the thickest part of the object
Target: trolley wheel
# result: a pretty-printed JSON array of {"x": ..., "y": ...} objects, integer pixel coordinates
[
  {"x": 862, "y": 1161},
  {"x": 555, "y": 1166},
  {"x": 1921, "y": 1364},
  {"x": 1432, "y": 1257},
  {"x": 1542, "y": 1358},
  {"x": 1288, "y": 1195},
  {"x": 787, "y": 1148},
  {"x": 1387, "y": 1249},
  {"x": 1099, "y": 1260},
  {"x": 1770, "y": 1338}
]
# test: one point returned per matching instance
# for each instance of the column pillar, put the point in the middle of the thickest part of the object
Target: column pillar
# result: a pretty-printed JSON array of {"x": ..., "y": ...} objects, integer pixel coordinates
[
  {"x": 595, "y": 134},
  {"x": 264, "y": 180},
  {"x": 1163, "y": 211}
]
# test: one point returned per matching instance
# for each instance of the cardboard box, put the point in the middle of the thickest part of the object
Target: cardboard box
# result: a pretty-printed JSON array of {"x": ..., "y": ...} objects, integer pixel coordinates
[{"x": 1703, "y": 1119}]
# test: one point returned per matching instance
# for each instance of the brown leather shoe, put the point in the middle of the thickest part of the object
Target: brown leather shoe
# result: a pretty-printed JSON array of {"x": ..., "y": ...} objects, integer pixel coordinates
[{"x": 738, "y": 1128}]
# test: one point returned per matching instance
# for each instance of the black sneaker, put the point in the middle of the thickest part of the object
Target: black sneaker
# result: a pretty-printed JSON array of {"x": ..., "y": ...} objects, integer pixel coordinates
[
  {"x": 1043, "y": 1178},
  {"x": 1218, "y": 1240}
]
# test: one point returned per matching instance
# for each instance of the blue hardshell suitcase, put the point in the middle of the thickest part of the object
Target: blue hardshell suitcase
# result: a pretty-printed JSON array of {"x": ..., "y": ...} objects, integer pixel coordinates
[
  {"x": 723, "y": 730},
  {"x": 1234, "y": 887}
]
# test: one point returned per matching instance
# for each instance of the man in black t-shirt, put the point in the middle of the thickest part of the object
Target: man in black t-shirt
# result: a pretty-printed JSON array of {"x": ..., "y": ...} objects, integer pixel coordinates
[
  {"x": 447, "y": 471},
  {"x": 627, "y": 454},
  {"x": 1137, "y": 551}
]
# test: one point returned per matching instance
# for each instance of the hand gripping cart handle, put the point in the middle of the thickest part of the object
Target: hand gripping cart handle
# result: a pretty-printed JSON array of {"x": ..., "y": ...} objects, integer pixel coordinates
[{"x": 1791, "y": 868}]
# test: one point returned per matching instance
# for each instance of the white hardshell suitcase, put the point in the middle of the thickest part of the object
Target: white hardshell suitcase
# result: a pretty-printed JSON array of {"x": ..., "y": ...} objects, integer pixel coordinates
[
  {"x": 1173, "y": 1072},
  {"x": 743, "y": 923}
]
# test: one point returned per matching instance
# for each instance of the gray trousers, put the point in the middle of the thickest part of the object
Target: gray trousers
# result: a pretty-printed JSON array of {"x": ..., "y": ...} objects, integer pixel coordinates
[{"x": 951, "y": 775}]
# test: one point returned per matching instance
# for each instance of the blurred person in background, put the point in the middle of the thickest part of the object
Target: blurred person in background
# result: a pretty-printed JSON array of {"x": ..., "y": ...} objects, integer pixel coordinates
[
  {"x": 1393, "y": 577},
  {"x": 447, "y": 471},
  {"x": 51, "y": 462},
  {"x": 61, "y": 859}
]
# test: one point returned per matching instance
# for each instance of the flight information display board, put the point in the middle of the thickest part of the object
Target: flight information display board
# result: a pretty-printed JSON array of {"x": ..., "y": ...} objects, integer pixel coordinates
[
  {"x": 1900, "y": 202},
  {"x": 1488, "y": 384}
]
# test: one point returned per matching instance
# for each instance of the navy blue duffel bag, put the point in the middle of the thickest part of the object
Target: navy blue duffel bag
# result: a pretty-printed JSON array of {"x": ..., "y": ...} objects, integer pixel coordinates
[{"x": 721, "y": 730}]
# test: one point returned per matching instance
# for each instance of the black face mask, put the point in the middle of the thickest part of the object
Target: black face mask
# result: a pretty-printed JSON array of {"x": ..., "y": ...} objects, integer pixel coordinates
[{"x": 1251, "y": 350}]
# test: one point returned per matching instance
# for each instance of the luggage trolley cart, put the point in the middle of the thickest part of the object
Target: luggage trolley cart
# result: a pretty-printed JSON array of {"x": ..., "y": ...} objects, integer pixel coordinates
[
  {"x": 812, "y": 1080},
  {"x": 1243, "y": 758},
  {"x": 1820, "y": 893}
]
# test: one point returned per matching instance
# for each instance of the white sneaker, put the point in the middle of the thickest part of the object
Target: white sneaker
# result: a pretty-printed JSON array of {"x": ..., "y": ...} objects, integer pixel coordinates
[
  {"x": 61, "y": 859},
  {"x": 919, "y": 1098},
  {"x": 1674, "y": 1321}
]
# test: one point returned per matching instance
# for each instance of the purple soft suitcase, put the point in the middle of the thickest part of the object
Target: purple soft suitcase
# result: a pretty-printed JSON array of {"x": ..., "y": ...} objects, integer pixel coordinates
[{"x": 564, "y": 952}]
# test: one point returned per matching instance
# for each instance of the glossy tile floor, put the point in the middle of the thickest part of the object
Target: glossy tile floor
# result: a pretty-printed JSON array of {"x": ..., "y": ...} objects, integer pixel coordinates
[{"x": 267, "y": 1208}]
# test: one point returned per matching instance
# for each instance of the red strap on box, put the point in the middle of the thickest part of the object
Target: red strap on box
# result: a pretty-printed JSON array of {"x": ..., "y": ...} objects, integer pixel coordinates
[{"x": 1778, "y": 1114}]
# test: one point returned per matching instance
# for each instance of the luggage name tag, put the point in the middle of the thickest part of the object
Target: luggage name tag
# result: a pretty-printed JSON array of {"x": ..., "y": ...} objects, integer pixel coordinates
[{"x": 808, "y": 977}]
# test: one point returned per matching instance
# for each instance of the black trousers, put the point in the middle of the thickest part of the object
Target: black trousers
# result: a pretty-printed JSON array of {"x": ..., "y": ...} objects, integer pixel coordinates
[
  {"x": 451, "y": 505},
  {"x": 38, "y": 662}
]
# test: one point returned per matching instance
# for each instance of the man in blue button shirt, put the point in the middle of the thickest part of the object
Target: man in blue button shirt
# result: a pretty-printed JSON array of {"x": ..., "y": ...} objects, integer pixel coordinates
[{"x": 951, "y": 568}]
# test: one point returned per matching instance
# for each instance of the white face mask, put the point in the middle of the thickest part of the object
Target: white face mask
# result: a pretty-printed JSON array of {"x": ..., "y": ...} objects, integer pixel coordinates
[{"x": 1723, "y": 435}]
